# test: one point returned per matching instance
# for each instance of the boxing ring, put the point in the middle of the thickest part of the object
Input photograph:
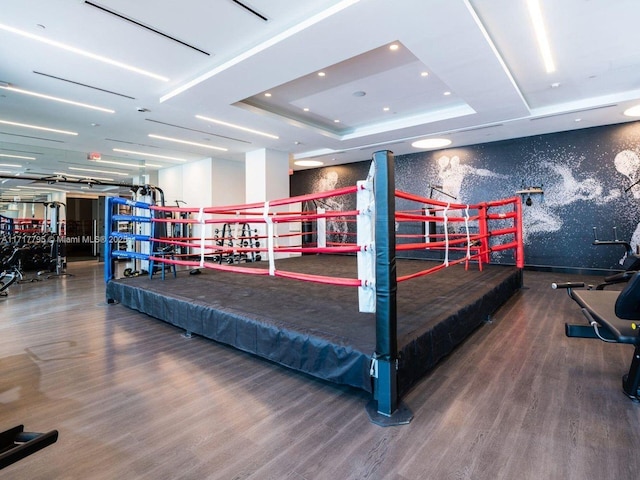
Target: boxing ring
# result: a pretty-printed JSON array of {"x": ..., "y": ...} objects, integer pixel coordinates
[{"x": 331, "y": 297}]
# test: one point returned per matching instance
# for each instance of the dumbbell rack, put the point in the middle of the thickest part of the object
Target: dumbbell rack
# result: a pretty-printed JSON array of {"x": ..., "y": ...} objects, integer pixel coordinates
[{"x": 237, "y": 236}]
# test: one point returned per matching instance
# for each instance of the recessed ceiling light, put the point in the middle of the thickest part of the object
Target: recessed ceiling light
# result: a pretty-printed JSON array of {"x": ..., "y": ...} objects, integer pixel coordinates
[
  {"x": 578, "y": 120},
  {"x": 336, "y": 121},
  {"x": 447, "y": 93},
  {"x": 424, "y": 74},
  {"x": 386, "y": 109},
  {"x": 321, "y": 74},
  {"x": 394, "y": 46},
  {"x": 306, "y": 109},
  {"x": 308, "y": 163},
  {"x": 267, "y": 94},
  {"x": 239, "y": 127},
  {"x": 633, "y": 111},
  {"x": 555, "y": 85},
  {"x": 431, "y": 143}
]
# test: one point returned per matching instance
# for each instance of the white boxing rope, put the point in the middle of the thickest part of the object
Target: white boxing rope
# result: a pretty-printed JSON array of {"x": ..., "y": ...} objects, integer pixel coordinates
[
  {"x": 269, "y": 222},
  {"x": 466, "y": 226},
  {"x": 202, "y": 235},
  {"x": 446, "y": 235},
  {"x": 321, "y": 228}
]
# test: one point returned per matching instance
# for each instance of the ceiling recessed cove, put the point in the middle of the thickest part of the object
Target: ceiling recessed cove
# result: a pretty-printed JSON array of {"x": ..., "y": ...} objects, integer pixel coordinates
[
  {"x": 308, "y": 163},
  {"x": 356, "y": 90},
  {"x": 633, "y": 111},
  {"x": 429, "y": 143}
]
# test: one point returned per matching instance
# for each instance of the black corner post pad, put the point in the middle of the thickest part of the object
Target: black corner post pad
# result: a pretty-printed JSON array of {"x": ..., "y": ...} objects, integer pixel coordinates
[{"x": 385, "y": 392}]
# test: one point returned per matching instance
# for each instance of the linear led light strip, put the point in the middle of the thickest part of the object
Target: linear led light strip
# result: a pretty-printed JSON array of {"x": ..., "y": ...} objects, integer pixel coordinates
[
  {"x": 96, "y": 170},
  {"x": 149, "y": 155},
  {"x": 130, "y": 165},
  {"x": 262, "y": 46},
  {"x": 16, "y": 156},
  {"x": 82, "y": 177},
  {"x": 84, "y": 53},
  {"x": 121, "y": 164},
  {"x": 541, "y": 34},
  {"x": 31, "y": 187},
  {"x": 177, "y": 140},
  {"x": 57, "y": 99},
  {"x": 36, "y": 127},
  {"x": 232, "y": 125}
]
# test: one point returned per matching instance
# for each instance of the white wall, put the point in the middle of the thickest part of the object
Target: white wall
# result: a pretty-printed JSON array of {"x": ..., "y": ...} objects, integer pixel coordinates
[
  {"x": 228, "y": 183},
  {"x": 207, "y": 183}
]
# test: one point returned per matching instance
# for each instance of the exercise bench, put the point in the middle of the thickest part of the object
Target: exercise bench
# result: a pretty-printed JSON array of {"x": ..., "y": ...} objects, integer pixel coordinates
[
  {"x": 612, "y": 316},
  {"x": 16, "y": 444}
]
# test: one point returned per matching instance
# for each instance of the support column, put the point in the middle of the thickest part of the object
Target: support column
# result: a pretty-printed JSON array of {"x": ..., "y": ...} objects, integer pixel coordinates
[
  {"x": 267, "y": 178},
  {"x": 384, "y": 409}
]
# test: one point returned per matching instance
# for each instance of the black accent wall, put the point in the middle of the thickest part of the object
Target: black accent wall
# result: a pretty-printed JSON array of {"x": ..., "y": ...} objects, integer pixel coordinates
[{"x": 586, "y": 175}]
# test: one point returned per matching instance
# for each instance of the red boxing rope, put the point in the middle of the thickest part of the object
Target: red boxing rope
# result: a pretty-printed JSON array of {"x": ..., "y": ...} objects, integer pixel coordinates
[
  {"x": 245, "y": 209},
  {"x": 443, "y": 212},
  {"x": 475, "y": 246},
  {"x": 345, "y": 282}
]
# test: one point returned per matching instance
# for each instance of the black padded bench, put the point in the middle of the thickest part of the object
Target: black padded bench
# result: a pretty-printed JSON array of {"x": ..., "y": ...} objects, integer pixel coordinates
[
  {"x": 612, "y": 316},
  {"x": 16, "y": 444}
]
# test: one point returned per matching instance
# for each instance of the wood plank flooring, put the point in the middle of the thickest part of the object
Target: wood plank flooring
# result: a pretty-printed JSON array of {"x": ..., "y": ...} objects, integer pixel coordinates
[{"x": 133, "y": 399}]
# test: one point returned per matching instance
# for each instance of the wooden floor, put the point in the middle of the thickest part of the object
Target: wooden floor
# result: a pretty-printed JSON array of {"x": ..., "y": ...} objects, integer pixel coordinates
[{"x": 133, "y": 399}]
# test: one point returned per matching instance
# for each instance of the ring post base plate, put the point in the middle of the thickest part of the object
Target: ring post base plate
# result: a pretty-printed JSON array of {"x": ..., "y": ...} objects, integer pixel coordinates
[{"x": 402, "y": 415}]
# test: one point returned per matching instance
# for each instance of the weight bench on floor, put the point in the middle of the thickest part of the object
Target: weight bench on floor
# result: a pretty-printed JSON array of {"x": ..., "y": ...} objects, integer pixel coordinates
[
  {"x": 16, "y": 444},
  {"x": 613, "y": 316}
]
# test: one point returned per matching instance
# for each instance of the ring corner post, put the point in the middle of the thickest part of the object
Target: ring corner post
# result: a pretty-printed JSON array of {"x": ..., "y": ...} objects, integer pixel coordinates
[
  {"x": 108, "y": 259},
  {"x": 519, "y": 235},
  {"x": 109, "y": 263},
  {"x": 385, "y": 409}
]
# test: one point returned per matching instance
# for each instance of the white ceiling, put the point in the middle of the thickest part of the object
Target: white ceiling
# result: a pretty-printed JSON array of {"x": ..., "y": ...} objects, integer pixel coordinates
[{"x": 482, "y": 51}]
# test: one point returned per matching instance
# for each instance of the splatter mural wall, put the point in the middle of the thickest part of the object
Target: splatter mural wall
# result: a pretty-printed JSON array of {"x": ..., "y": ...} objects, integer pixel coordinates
[{"x": 588, "y": 179}]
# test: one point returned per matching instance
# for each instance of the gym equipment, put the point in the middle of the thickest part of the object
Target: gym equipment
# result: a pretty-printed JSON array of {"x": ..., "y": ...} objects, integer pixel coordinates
[
  {"x": 612, "y": 316},
  {"x": 527, "y": 191},
  {"x": 58, "y": 259},
  {"x": 630, "y": 263},
  {"x": 16, "y": 444},
  {"x": 238, "y": 236},
  {"x": 13, "y": 272}
]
